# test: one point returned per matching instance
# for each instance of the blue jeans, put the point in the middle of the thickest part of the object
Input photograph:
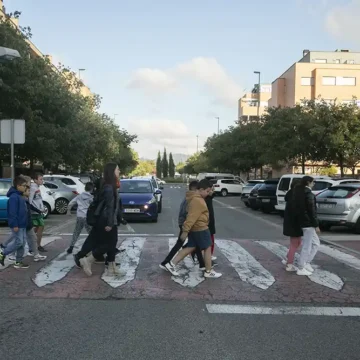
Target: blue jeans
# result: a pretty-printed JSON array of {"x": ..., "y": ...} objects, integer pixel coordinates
[{"x": 16, "y": 242}]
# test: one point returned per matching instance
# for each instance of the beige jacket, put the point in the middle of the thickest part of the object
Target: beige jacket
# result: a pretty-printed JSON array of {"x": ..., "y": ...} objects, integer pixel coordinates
[{"x": 197, "y": 218}]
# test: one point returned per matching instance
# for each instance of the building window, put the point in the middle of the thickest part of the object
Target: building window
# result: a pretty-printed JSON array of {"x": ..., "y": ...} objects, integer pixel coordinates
[
  {"x": 307, "y": 81},
  {"x": 329, "y": 80},
  {"x": 346, "y": 81},
  {"x": 321, "y": 61}
]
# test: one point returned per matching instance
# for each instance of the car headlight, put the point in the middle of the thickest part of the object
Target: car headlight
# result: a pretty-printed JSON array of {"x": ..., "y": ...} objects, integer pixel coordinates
[{"x": 152, "y": 201}]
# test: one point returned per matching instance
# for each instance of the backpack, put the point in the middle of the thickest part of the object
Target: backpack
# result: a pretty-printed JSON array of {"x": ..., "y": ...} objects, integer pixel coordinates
[{"x": 94, "y": 211}]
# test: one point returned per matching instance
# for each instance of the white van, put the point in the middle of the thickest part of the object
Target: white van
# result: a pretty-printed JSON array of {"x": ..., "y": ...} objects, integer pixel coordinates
[
  {"x": 321, "y": 183},
  {"x": 218, "y": 176}
]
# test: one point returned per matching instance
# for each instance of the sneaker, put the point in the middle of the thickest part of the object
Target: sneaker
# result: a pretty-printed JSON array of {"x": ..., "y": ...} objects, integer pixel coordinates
[
  {"x": 213, "y": 258},
  {"x": 162, "y": 266},
  {"x": 42, "y": 249},
  {"x": 171, "y": 268},
  {"x": 212, "y": 274},
  {"x": 309, "y": 268},
  {"x": 20, "y": 265},
  {"x": 2, "y": 259},
  {"x": 284, "y": 261},
  {"x": 303, "y": 272},
  {"x": 70, "y": 250},
  {"x": 291, "y": 268},
  {"x": 118, "y": 251},
  {"x": 212, "y": 266},
  {"x": 77, "y": 261},
  {"x": 12, "y": 258},
  {"x": 195, "y": 261},
  {"x": 30, "y": 253},
  {"x": 39, "y": 257}
]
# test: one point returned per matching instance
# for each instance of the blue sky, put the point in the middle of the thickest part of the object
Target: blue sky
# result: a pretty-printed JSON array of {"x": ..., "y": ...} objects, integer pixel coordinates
[{"x": 168, "y": 68}]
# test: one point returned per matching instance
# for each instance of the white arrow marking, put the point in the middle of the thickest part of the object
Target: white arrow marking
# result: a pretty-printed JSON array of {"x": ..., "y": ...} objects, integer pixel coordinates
[
  {"x": 319, "y": 276},
  {"x": 249, "y": 269},
  {"x": 189, "y": 274},
  {"x": 57, "y": 268},
  {"x": 345, "y": 258},
  {"x": 129, "y": 261}
]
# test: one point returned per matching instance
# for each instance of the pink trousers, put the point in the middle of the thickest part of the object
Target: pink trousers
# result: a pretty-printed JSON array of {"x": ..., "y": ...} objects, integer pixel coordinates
[{"x": 295, "y": 242}]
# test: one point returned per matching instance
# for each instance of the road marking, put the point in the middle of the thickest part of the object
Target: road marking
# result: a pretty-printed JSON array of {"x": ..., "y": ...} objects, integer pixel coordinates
[
  {"x": 57, "y": 268},
  {"x": 319, "y": 276},
  {"x": 129, "y": 261},
  {"x": 282, "y": 310},
  {"x": 127, "y": 234},
  {"x": 249, "y": 269},
  {"x": 54, "y": 229},
  {"x": 340, "y": 256},
  {"x": 190, "y": 274},
  {"x": 129, "y": 228}
]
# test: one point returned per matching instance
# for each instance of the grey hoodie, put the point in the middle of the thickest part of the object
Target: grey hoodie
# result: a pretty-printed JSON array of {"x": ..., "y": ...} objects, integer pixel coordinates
[
  {"x": 35, "y": 198},
  {"x": 83, "y": 202}
]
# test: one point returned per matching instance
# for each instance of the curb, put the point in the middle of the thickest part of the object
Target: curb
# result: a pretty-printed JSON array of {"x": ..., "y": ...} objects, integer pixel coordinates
[{"x": 328, "y": 242}]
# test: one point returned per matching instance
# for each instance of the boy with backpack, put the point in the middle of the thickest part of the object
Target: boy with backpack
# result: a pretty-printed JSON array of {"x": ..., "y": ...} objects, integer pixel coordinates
[{"x": 83, "y": 202}]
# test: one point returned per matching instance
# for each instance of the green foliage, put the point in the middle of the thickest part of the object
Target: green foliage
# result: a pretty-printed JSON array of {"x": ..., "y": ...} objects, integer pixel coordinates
[
  {"x": 171, "y": 166},
  {"x": 165, "y": 165},
  {"x": 62, "y": 126},
  {"x": 144, "y": 167},
  {"x": 180, "y": 168},
  {"x": 196, "y": 163},
  {"x": 158, "y": 166}
]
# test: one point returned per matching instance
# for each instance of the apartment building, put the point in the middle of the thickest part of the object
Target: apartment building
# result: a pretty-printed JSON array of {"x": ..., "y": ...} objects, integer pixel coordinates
[
  {"x": 248, "y": 105},
  {"x": 331, "y": 75}
]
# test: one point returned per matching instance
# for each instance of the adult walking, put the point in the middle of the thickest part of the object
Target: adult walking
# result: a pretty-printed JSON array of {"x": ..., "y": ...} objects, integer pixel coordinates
[
  {"x": 104, "y": 234},
  {"x": 291, "y": 228},
  {"x": 306, "y": 215}
]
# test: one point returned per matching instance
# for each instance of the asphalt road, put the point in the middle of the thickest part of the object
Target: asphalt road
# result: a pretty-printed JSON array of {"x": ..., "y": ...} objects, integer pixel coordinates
[{"x": 153, "y": 317}]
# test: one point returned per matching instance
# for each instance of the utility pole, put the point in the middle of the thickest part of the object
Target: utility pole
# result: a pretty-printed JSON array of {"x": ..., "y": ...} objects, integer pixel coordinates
[
  {"x": 80, "y": 70},
  {"x": 259, "y": 92},
  {"x": 218, "y": 119},
  {"x": 197, "y": 143}
]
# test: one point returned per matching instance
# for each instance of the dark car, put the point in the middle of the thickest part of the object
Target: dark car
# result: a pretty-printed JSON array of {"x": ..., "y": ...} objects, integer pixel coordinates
[
  {"x": 266, "y": 196},
  {"x": 253, "y": 203}
]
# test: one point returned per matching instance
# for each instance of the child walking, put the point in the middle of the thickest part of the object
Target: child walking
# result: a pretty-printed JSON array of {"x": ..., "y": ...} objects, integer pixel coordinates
[
  {"x": 83, "y": 202},
  {"x": 18, "y": 221}
]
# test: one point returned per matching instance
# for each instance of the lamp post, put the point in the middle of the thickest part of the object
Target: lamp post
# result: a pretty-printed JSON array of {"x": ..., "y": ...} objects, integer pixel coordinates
[
  {"x": 259, "y": 90},
  {"x": 197, "y": 143},
  {"x": 218, "y": 119},
  {"x": 80, "y": 70}
]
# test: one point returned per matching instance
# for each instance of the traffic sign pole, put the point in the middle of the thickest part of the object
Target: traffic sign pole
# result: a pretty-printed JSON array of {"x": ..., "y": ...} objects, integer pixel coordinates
[{"x": 12, "y": 150}]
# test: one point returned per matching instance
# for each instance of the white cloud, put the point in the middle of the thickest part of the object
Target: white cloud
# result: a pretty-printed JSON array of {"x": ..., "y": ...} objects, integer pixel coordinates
[
  {"x": 343, "y": 21},
  {"x": 204, "y": 71},
  {"x": 156, "y": 133}
]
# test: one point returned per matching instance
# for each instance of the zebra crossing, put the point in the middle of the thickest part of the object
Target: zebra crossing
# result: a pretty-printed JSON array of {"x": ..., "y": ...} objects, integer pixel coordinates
[{"x": 242, "y": 262}]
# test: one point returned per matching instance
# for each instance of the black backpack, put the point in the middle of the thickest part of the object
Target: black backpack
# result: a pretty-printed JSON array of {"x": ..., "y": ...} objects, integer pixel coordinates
[{"x": 94, "y": 211}]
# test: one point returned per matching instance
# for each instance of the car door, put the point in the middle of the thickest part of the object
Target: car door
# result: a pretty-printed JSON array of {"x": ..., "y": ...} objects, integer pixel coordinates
[
  {"x": 237, "y": 187},
  {"x": 4, "y": 188}
]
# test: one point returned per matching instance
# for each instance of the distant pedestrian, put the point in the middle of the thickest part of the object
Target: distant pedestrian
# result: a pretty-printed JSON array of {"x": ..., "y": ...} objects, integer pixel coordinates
[
  {"x": 37, "y": 214},
  {"x": 291, "y": 228},
  {"x": 18, "y": 221},
  {"x": 83, "y": 202},
  {"x": 196, "y": 229},
  {"x": 305, "y": 213}
]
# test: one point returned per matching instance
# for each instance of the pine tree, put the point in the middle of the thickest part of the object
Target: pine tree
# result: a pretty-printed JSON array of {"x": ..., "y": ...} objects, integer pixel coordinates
[
  {"x": 171, "y": 166},
  {"x": 165, "y": 165},
  {"x": 158, "y": 166}
]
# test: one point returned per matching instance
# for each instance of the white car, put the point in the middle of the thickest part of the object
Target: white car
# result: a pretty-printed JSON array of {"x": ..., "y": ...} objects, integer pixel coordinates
[
  {"x": 228, "y": 186},
  {"x": 48, "y": 200},
  {"x": 160, "y": 182},
  {"x": 67, "y": 180}
]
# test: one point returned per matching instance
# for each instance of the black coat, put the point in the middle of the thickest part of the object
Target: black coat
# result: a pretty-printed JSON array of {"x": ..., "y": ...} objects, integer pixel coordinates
[
  {"x": 305, "y": 207},
  {"x": 111, "y": 207},
  {"x": 209, "y": 203},
  {"x": 291, "y": 226}
]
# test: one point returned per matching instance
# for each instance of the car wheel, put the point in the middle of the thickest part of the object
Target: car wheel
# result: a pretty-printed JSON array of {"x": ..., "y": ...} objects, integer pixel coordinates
[
  {"x": 224, "y": 192},
  {"x": 61, "y": 206},
  {"x": 160, "y": 207},
  {"x": 155, "y": 220},
  {"x": 247, "y": 205},
  {"x": 47, "y": 209},
  {"x": 357, "y": 227},
  {"x": 327, "y": 227},
  {"x": 267, "y": 210}
]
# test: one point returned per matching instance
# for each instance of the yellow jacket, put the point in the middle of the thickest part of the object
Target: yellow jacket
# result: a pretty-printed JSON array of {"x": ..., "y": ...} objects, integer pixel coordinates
[{"x": 197, "y": 218}]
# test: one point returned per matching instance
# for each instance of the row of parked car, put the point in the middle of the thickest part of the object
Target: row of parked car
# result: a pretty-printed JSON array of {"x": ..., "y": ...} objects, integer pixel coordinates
[{"x": 338, "y": 200}]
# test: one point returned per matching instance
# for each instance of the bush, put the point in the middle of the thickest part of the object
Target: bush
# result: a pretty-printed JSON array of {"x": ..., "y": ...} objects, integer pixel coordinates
[{"x": 175, "y": 180}]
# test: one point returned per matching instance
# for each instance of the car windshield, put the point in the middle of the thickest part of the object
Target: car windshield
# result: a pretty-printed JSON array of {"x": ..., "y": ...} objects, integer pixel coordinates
[
  {"x": 4, "y": 187},
  {"x": 135, "y": 187},
  {"x": 338, "y": 192}
]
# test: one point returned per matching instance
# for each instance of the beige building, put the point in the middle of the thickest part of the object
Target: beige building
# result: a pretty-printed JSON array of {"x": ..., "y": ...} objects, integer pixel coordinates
[
  {"x": 332, "y": 76},
  {"x": 248, "y": 104},
  {"x": 84, "y": 90}
]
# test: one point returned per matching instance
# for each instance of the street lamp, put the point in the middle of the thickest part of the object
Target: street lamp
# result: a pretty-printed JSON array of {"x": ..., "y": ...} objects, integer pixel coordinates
[
  {"x": 218, "y": 119},
  {"x": 7, "y": 54},
  {"x": 80, "y": 70},
  {"x": 197, "y": 143},
  {"x": 259, "y": 89}
]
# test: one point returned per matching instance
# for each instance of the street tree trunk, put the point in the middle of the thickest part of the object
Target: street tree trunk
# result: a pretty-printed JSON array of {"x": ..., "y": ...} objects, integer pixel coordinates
[{"x": 303, "y": 161}]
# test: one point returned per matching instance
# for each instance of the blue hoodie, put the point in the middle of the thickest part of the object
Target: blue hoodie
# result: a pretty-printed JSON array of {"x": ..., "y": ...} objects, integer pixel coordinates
[{"x": 17, "y": 209}]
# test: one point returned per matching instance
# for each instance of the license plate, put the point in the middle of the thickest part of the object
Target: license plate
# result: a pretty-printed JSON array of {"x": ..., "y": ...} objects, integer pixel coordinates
[
  {"x": 245, "y": 195},
  {"x": 132, "y": 210},
  {"x": 326, "y": 206},
  {"x": 281, "y": 202},
  {"x": 266, "y": 200}
]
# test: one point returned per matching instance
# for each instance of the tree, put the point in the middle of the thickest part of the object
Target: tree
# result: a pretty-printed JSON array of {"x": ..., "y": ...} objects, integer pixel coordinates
[
  {"x": 180, "y": 168},
  {"x": 171, "y": 166},
  {"x": 158, "y": 166},
  {"x": 144, "y": 167},
  {"x": 165, "y": 165},
  {"x": 196, "y": 163}
]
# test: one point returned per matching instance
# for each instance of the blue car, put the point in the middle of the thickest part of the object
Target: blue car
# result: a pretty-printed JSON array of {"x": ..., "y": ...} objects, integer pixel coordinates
[
  {"x": 5, "y": 185},
  {"x": 139, "y": 199}
]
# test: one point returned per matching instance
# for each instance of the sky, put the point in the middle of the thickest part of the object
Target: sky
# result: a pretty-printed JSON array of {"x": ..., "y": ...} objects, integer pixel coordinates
[{"x": 167, "y": 69}]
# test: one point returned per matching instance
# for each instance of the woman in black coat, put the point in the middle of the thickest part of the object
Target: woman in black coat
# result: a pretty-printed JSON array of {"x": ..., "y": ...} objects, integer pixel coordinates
[{"x": 291, "y": 228}]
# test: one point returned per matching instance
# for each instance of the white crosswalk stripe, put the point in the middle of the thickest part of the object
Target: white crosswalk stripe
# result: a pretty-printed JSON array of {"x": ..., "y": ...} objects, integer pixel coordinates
[
  {"x": 319, "y": 276},
  {"x": 190, "y": 274},
  {"x": 249, "y": 269}
]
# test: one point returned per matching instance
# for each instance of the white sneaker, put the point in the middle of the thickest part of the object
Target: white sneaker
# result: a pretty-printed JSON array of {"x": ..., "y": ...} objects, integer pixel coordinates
[
  {"x": 171, "y": 268},
  {"x": 303, "y": 272},
  {"x": 291, "y": 268},
  {"x": 309, "y": 268},
  {"x": 12, "y": 258},
  {"x": 30, "y": 253},
  {"x": 212, "y": 274},
  {"x": 284, "y": 261},
  {"x": 39, "y": 257},
  {"x": 213, "y": 258}
]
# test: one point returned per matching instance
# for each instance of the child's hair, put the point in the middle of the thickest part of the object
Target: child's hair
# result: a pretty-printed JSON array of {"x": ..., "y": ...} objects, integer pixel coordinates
[
  {"x": 204, "y": 184},
  {"x": 193, "y": 185},
  {"x": 19, "y": 180},
  {"x": 89, "y": 186},
  {"x": 27, "y": 178},
  {"x": 36, "y": 175}
]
